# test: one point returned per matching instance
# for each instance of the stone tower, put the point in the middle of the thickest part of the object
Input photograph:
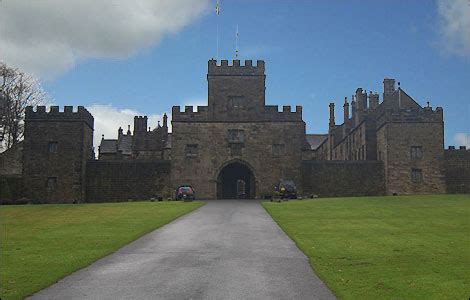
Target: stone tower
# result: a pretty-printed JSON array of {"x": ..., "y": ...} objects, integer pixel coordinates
[
  {"x": 57, "y": 146},
  {"x": 236, "y": 146}
]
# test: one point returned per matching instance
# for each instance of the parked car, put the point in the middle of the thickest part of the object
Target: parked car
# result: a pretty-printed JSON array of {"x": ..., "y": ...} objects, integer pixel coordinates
[
  {"x": 185, "y": 192},
  {"x": 287, "y": 189}
]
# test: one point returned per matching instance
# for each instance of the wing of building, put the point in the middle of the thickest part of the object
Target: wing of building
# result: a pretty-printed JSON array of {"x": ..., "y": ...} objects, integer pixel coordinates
[{"x": 239, "y": 147}]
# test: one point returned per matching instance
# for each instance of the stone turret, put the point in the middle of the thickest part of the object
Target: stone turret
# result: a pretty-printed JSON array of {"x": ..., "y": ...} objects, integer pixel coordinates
[
  {"x": 57, "y": 145},
  {"x": 140, "y": 124}
]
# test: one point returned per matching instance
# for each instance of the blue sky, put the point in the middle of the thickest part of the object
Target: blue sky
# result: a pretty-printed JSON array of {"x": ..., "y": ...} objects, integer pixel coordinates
[{"x": 315, "y": 52}]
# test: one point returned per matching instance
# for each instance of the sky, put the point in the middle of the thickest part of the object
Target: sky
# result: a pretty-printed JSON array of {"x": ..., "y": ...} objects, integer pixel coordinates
[{"x": 125, "y": 58}]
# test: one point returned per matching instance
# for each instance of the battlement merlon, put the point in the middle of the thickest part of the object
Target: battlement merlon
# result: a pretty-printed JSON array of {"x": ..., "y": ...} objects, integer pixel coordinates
[
  {"x": 461, "y": 148},
  {"x": 270, "y": 113},
  {"x": 224, "y": 69},
  {"x": 55, "y": 115}
]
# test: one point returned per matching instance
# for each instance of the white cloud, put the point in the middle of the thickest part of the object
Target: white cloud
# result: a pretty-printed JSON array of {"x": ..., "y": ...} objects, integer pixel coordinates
[
  {"x": 462, "y": 139},
  {"x": 48, "y": 37},
  {"x": 109, "y": 118},
  {"x": 454, "y": 26}
]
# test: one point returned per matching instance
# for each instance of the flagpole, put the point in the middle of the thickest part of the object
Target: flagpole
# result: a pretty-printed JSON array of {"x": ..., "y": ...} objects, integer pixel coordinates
[
  {"x": 236, "y": 44},
  {"x": 217, "y": 12}
]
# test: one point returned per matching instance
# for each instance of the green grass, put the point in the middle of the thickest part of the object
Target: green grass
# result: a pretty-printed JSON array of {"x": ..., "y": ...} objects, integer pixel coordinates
[
  {"x": 410, "y": 247},
  {"x": 42, "y": 243}
]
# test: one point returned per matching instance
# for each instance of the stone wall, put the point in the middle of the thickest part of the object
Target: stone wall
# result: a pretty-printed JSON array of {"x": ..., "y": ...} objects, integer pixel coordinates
[
  {"x": 11, "y": 190},
  {"x": 109, "y": 181},
  {"x": 56, "y": 146},
  {"x": 457, "y": 170},
  {"x": 394, "y": 142},
  {"x": 11, "y": 161},
  {"x": 215, "y": 151},
  {"x": 343, "y": 178}
]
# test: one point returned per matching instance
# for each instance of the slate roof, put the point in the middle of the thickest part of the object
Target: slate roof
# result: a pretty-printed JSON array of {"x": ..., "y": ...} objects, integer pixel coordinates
[
  {"x": 315, "y": 140},
  {"x": 108, "y": 146},
  {"x": 125, "y": 144}
]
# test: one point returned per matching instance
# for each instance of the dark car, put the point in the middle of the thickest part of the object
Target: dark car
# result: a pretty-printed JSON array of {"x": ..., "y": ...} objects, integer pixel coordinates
[
  {"x": 185, "y": 192},
  {"x": 287, "y": 189}
]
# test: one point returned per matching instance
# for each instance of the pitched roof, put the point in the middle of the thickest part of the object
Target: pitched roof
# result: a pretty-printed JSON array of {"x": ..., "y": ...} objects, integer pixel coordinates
[
  {"x": 125, "y": 144},
  {"x": 315, "y": 140},
  {"x": 399, "y": 99},
  {"x": 108, "y": 146}
]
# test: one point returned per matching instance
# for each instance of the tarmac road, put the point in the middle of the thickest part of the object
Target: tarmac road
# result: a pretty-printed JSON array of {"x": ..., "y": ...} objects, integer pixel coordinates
[{"x": 228, "y": 249}]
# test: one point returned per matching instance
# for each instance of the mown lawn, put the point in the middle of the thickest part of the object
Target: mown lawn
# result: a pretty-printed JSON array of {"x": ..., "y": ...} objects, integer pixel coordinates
[
  {"x": 42, "y": 243},
  {"x": 410, "y": 247}
]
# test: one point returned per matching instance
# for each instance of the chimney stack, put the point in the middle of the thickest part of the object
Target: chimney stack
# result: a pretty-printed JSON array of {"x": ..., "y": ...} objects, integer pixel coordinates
[
  {"x": 332, "y": 115},
  {"x": 389, "y": 87},
  {"x": 346, "y": 110},
  {"x": 373, "y": 100}
]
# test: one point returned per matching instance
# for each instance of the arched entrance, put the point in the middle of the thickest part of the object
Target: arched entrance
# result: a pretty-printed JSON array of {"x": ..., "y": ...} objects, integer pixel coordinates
[{"x": 236, "y": 181}]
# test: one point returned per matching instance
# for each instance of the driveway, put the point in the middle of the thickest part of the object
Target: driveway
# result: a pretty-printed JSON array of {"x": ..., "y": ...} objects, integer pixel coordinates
[{"x": 227, "y": 249}]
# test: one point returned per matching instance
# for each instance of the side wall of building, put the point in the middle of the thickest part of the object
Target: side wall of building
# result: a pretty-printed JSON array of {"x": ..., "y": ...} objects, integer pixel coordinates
[
  {"x": 11, "y": 163},
  {"x": 394, "y": 143},
  {"x": 55, "y": 150},
  {"x": 111, "y": 181},
  {"x": 457, "y": 171},
  {"x": 343, "y": 178}
]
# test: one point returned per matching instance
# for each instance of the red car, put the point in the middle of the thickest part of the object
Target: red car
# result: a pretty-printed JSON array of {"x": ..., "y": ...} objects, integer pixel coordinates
[{"x": 185, "y": 192}]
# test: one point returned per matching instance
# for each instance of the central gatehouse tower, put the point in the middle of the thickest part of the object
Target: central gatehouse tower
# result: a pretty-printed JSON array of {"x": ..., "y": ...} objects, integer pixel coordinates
[{"x": 236, "y": 146}]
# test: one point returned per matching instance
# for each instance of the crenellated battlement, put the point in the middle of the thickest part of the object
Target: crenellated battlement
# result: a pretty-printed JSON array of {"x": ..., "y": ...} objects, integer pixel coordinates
[
  {"x": 461, "y": 148},
  {"x": 54, "y": 114},
  {"x": 236, "y": 68},
  {"x": 424, "y": 115},
  {"x": 271, "y": 113},
  {"x": 457, "y": 154}
]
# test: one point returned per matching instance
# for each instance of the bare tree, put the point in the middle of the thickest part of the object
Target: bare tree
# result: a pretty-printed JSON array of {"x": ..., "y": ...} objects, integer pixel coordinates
[{"x": 17, "y": 90}]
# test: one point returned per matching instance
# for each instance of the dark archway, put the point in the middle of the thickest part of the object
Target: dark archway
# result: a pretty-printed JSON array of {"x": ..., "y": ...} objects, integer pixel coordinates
[{"x": 236, "y": 181}]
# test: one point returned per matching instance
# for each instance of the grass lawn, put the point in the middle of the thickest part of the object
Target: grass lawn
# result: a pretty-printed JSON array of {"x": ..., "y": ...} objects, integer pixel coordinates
[
  {"x": 42, "y": 243},
  {"x": 410, "y": 247}
]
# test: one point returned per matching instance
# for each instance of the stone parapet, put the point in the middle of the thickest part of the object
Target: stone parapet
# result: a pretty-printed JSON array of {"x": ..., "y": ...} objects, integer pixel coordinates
[
  {"x": 235, "y": 68},
  {"x": 270, "y": 113},
  {"x": 54, "y": 114},
  {"x": 425, "y": 115}
]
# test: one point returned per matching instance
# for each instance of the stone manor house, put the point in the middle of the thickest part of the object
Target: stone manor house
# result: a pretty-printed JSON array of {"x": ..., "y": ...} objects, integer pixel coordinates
[{"x": 391, "y": 146}]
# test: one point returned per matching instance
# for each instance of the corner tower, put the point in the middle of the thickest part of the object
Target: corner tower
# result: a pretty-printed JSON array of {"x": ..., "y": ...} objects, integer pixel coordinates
[{"x": 56, "y": 147}]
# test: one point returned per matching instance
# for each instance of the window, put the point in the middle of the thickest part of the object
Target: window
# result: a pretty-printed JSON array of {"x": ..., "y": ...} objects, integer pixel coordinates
[
  {"x": 236, "y": 149},
  {"x": 416, "y": 152},
  {"x": 51, "y": 183},
  {"x": 52, "y": 147},
  {"x": 236, "y": 101},
  {"x": 191, "y": 150},
  {"x": 278, "y": 149},
  {"x": 236, "y": 136},
  {"x": 416, "y": 175}
]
